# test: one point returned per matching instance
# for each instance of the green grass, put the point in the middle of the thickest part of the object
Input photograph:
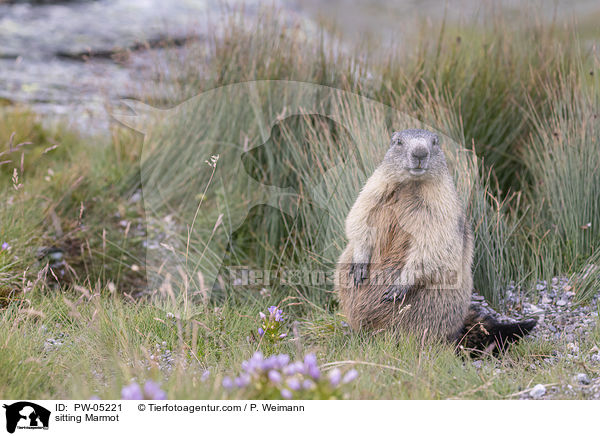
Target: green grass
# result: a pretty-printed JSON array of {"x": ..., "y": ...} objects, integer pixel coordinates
[
  {"x": 517, "y": 97},
  {"x": 107, "y": 341}
]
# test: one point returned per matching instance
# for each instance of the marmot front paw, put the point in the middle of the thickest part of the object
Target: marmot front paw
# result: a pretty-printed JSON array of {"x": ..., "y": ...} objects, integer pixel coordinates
[
  {"x": 395, "y": 293},
  {"x": 358, "y": 271}
]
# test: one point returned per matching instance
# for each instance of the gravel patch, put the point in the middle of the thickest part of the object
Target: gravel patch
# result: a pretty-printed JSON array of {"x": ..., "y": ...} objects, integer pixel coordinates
[{"x": 560, "y": 321}]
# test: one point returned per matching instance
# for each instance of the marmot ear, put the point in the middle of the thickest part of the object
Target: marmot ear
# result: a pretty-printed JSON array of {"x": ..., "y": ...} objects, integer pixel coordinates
[{"x": 395, "y": 137}]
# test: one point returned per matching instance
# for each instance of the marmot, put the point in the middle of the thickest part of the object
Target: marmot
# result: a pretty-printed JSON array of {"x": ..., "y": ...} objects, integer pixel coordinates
[{"x": 407, "y": 265}]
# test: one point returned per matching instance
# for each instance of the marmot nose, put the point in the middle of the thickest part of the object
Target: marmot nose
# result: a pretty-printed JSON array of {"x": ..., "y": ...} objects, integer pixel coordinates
[{"x": 420, "y": 153}]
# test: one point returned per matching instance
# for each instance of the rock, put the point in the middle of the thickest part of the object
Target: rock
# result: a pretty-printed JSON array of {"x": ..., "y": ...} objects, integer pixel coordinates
[
  {"x": 56, "y": 255},
  {"x": 534, "y": 309},
  {"x": 546, "y": 300},
  {"x": 537, "y": 392},
  {"x": 136, "y": 197},
  {"x": 583, "y": 379},
  {"x": 561, "y": 302}
]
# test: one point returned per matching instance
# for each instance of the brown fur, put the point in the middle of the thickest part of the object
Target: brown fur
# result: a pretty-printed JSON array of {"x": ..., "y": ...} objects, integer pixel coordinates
[
  {"x": 407, "y": 231},
  {"x": 414, "y": 227}
]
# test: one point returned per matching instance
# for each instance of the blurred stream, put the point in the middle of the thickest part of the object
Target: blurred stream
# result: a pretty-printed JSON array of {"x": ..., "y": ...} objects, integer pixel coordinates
[
  {"x": 45, "y": 48},
  {"x": 44, "y": 44}
]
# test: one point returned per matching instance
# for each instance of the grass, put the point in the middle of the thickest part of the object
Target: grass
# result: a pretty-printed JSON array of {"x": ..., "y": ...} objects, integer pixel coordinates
[
  {"x": 106, "y": 341},
  {"x": 519, "y": 110}
]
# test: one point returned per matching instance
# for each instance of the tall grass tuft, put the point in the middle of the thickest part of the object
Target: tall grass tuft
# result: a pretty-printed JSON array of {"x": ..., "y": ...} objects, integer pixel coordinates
[
  {"x": 488, "y": 75},
  {"x": 564, "y": 160}
]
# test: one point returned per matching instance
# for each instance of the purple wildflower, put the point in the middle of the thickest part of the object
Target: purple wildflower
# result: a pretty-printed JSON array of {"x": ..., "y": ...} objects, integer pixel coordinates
[
  {"x": 286, "y": 394},
  {"x": 308, "y": 384},
  {"x": 349, "y": 376},
  {"x": 279, "y": 315},
  {"x": 240, "y": 382},
  {"x": 293, "y": 383},
  {"x": 132, "y": 392},
  {"x": 262, "y": 315},
  {"x": 282, "y": 360},
  {"x": 274, "y": 376},
  {"x": 245, "y": 379},
  {"x": 152, "y": 391},
  {"x": 310, "y": 360},
  {"x": 274, "y": 362},
  {"x": 227, "y": 383},
  {"x": 5, "y": 246},
  {"x": 298, "y": 367},
  {"x": 261, "y": 332},
  {"x": 258, "y": 356},
  {"x": 335, "y": 376},
  {"x": 272, "y": 310},
  {"x": 310, "y": 366},
  {"x": 205, "y": 375}
]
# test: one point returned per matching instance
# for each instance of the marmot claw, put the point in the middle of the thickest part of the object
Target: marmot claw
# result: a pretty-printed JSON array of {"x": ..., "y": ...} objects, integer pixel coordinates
[
  {"x": 358, "y": 271},
  {"x": 395, "y": 293}
]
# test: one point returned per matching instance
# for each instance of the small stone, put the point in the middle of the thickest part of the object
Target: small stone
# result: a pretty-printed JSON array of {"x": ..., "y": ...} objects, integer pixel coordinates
[
  {"x": 561, "y": 302},
  {"x": 546, "y": 300},
  {"x": 534, "y": 309},
  {"x": 136, "y": 197},
  {"x": 573, "y": 348},
  {"x": 540, "y": 287},
  {"x": 583, "y": 379},
  {"x": 56, "y": 255},
  {"x": 537, "y": 392}
]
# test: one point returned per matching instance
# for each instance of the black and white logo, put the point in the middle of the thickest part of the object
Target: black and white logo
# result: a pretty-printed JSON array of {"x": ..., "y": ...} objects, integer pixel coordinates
[{"x": 26, "y": 415}]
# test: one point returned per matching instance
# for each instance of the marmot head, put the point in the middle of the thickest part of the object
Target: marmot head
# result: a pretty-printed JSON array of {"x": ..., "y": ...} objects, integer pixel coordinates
[{"x": 416, "y": 154}]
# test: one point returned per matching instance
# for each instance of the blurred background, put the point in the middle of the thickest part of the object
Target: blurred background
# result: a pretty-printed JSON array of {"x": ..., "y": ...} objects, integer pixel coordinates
[{"x": 69, "y": 58}]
